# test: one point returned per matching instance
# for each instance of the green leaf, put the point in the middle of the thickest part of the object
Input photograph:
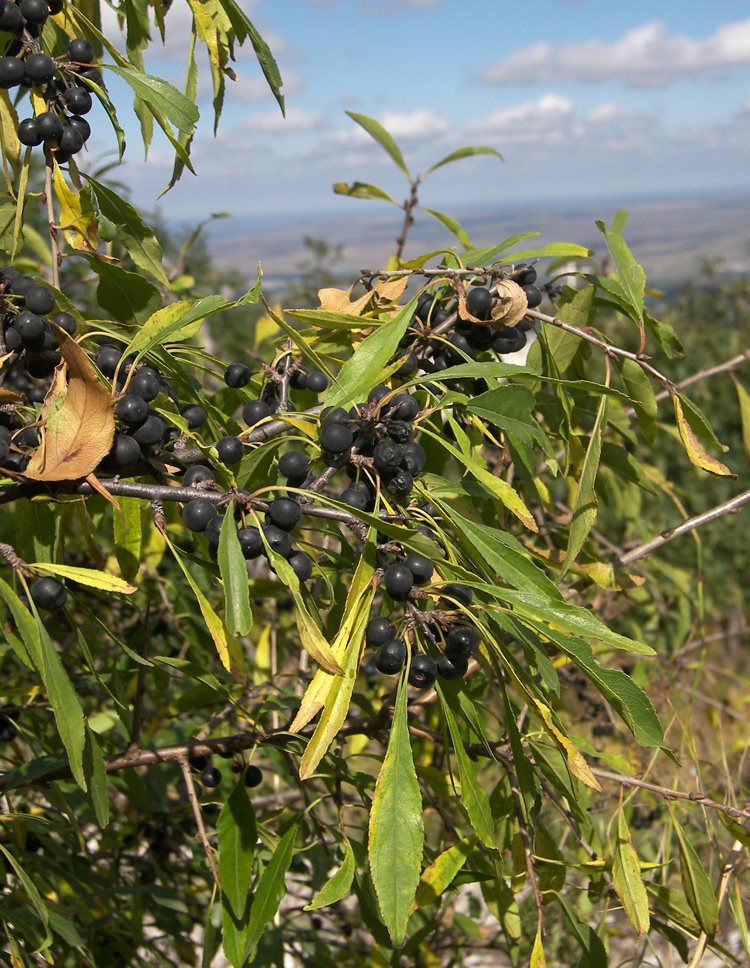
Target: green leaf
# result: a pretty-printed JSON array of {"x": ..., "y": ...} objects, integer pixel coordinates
[
  {"x": 363, "y": 190},
  {"x": 386, "y": 142},
  {"x": 128, "y": 536},
  {"x": 540, "y": 614},
  {"x": 504, "y": 554},
  {"x": 339, "y": 884},
  {"x": 137, "y": 239},
  {"x": 451, "y": 224},
  {"x": 360, "y": 373},
  {"x": 237, "y": 835},
  {"x": 396, "y": 826},
  {"x": 642, "y": 396},
  {"x": 37, "y": 529},
  {"x": 62, "y": 696},
  {"x": 578, "y": 311},
  {"x": 244, "y": 28},
  {"x": 626, "y": 877},
  {"x": 95, "y": 772},
  {"x": 496, "y": 486},
  {"x": 437, "y": 878},
  {"x": 168, "y": 322},
  {"x": 743, "y": 398},
  {"x": 625, "y": 696},
  {"x": 592, "y": 947},
  {"x": 630, "y": 274},
  {"x": 468, "y": 152},
  {"x": 511, "y": 408},
  {"x": 126, "y": 296},
  {"x": 473, "y": 795},
  {"x": 34, "y": 896},
  {"x": 230, "y": 653},
  {"x": 160, "y": 95},
  {"x": 270, "y": 890},
  {"x": 233, "y": 568},
  {"x": 698, "y": 890},
  {"x": 585, "y": 510}
]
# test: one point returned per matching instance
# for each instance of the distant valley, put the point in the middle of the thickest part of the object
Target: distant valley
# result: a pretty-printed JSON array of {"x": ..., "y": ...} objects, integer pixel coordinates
[{"x": 669, "y": 236}]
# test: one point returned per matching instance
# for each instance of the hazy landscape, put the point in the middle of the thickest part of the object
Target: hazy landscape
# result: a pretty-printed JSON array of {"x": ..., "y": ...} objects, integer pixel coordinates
[{"x": 669, "y": 236}]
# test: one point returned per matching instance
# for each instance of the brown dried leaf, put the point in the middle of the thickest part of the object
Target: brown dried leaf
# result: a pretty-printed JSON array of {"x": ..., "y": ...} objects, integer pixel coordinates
[
  {"x": 391, "y": 290},
  {"x": 10, "y": 396},
  {"x": 511, "y": 305},
  {"x": 78, "y": 421},
  {"x": 338, "y": 301}
]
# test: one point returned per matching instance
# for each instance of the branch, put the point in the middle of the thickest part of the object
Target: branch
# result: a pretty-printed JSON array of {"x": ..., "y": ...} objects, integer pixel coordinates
[
  {"x": 729, "y": 507},
  {"x": 711, "y": 371},
  {"x": 54, "y": 253},
  {"x": 202, "y": 836},
  {"x": 735, "y": 813},
  {"x": 609, "y": 348}
]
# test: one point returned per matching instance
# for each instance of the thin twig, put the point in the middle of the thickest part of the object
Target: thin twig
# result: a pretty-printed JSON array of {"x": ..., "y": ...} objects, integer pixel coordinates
[
  {"x": 728, "y": 507},
  {"x": 202, "y": 836},
  {"x": 54, "y": 252},
  {"x": 736, "y": 813}
]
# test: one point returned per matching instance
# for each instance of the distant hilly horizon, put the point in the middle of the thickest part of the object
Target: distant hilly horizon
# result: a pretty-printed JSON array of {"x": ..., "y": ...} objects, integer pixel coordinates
[{"x": 669, "y": 235}]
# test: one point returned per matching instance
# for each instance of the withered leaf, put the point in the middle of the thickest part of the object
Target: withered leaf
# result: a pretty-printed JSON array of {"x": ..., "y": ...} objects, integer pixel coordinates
[
  {"x": 10, "y": 396},
  {"x": 78, "y": 421}
]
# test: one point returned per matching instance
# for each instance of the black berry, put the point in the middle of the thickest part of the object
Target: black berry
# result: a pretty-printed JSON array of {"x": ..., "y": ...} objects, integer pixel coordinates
[
  {"x": 390, "y": 657},
  {"x": 379, "y": 631},
  {"x": 237, "y": 375},
  {"x": 49, "y": 594},
  {"x": 230, "y": 450},
  {"x": 422, "y": 671},
  {"x": 398, "y": 581},
  {"x": 197, "y": 513}
]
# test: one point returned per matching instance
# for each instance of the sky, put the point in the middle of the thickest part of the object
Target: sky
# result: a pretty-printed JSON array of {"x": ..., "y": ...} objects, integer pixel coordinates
[{"x": 583, "y": 98}]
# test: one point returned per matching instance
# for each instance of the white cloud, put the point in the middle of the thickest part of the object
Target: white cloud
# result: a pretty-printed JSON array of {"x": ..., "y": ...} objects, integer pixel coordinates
[
  {"x": 420, "y": 124},
  {"x": 296, "y": 120},
  {"x": 646, "y": 56},
  {"x": 528, "y": 121}
]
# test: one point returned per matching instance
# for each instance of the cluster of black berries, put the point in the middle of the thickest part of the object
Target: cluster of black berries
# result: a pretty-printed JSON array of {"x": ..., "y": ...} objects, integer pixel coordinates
[
  {"x": 238, "y": 375},
  {"x": 210, "y": 776},
  {"x": 282, "y": 515},
  {"x": 63, "y": 83},
  {"x": 26, "y": 309},
  {"x": 376, "y": 435},
  {"x": 465, "y": 339},
  {"x": 459, "y": 642}
]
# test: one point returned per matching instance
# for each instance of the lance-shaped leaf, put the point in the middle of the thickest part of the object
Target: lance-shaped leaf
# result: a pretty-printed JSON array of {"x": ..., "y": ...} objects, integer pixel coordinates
[
  {"x": 160, "y": 95},
  {"x": 170, "y": 322},
  {"x": 229, "y": 650},
  {"x": 396, "y": 826},
  {"x": 386, "y": 142},
  {"x": 473, "y": 795},
  {"x": 78, "y": 420},
  {"x": 270, "y": 890},
  {"x": 630, "y": 274},
  {"x": 339, "y": 884},
  {"x": 86, "y": 576},
  {"x": 59, "y": 689},
  {"x": 365, "y": 367},
  {"x": 437, "y": 877},
  {"x": 584, "y": 512},
  {"x": 233, "y": 567},
  {"x": 237, "y": 834},
  {"x": 692, "y": 445},
  {"x": 468, "y": 152},
  {"x": 128, "y": 535},
  {"x": 626, "y": 877},
  {"x": 698, "y": 890},
  {"x": 363, "y": 190}
]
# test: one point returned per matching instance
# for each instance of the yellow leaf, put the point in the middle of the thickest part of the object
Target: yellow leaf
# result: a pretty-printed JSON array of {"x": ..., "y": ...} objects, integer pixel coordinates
[
  {"x": 693, "y": 448},
  {"x": 80, "y": 224},
  {"x": 8, "y": 132},
  {"x": 78, "y": 422},
  {"x": 227, "y": 647},
  {"x": 86, "y": 576}
]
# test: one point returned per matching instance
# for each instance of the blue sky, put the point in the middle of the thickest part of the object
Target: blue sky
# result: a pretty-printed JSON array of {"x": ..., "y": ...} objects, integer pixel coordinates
[{"x": 582, "y": 98}]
